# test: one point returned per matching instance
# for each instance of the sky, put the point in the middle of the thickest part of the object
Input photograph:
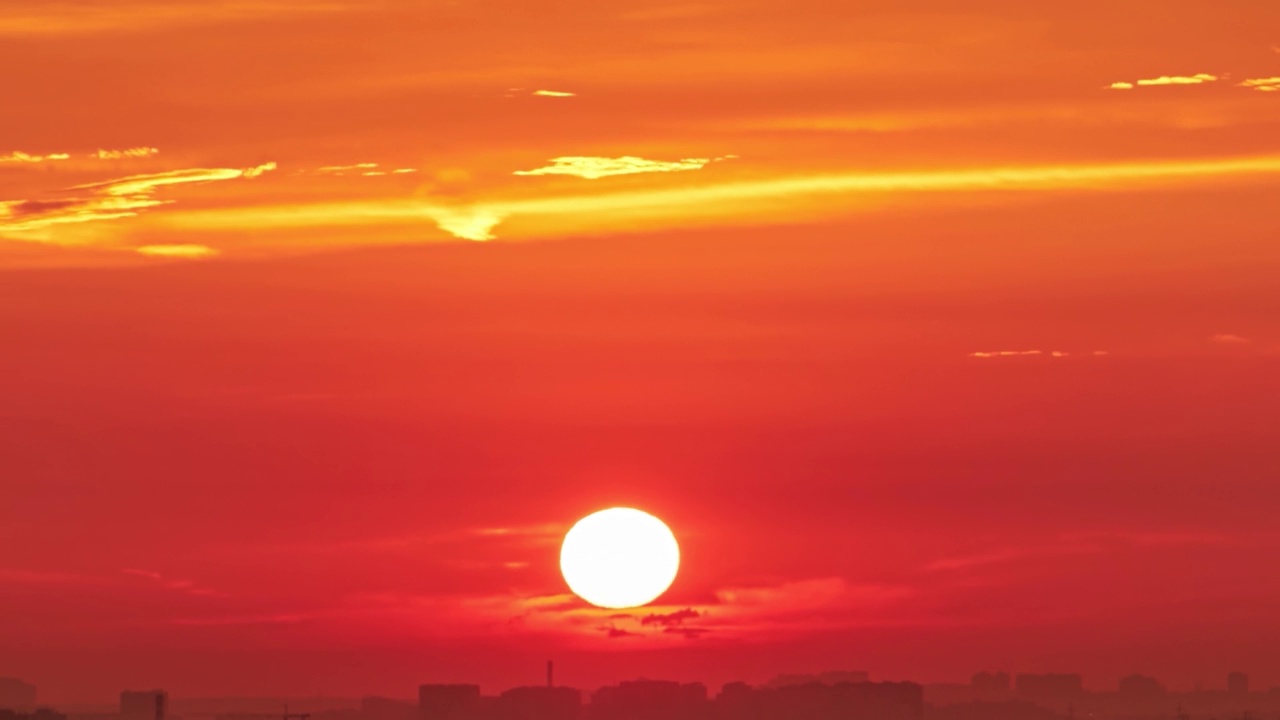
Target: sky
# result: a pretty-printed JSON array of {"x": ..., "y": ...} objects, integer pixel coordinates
[{"x": 944, "y": 339}]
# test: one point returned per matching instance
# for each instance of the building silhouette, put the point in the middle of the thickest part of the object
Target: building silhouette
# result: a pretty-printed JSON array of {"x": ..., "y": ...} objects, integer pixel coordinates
[
  {"x": 1238, "y": 683},
  {"x": 17, "y": 695},
  {"x": 650, "y": 700},
  {"x": 1007, "y": 710},
  {"x": 143, "y": 705},
  {"x": 818, "y": 701},
  {"x": 991, "y": 683},
  {"x": 1140, "y": 686},
  {"x": 373, "y": 707},
  {"x": 38, "y": 714},
  {"x": 449, "y": 702},
  {"x": 826, "y": 678},
  {"x": 538, "y": 703},
  {"x": 1050, "y": 686}
]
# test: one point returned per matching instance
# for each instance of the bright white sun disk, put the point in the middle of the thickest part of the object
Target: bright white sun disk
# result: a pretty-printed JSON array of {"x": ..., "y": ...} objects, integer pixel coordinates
[{"x": 619, "y": 558}]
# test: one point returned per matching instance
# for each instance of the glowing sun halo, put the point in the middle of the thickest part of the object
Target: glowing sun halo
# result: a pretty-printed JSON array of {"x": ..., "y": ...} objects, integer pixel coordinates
[{"x": 619, "y": 558}]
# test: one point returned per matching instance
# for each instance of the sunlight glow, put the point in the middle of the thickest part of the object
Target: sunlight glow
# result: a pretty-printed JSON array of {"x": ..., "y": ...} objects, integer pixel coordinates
[{"x": 673, "y": 205}]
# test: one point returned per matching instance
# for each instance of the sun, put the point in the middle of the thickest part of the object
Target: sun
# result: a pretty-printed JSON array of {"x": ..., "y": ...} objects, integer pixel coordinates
[{"x": 619, "y": 558}]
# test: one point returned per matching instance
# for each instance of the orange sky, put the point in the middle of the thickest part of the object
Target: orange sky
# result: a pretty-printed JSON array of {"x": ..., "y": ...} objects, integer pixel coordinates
[{"x": 945, "y": 340}]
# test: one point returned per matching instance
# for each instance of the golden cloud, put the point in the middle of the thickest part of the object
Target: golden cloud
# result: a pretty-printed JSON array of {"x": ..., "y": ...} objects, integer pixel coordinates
[
  {"x": 1197, "y": 79},
  {"x": 136, "y": 152},
  {"x": 1267, "y": 84},
  {"x": 185, "y": 251},
  {"x": 18, "y": 156},
  {"x": 592, "y": 168},
  {"x": 110, "y": 200}
]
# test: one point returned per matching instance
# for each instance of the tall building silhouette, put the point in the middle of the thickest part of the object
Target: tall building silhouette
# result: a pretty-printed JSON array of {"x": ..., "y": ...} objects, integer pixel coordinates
[
  {"x": 143, "y": 704},
  {"x": 1237, "y": 683}
]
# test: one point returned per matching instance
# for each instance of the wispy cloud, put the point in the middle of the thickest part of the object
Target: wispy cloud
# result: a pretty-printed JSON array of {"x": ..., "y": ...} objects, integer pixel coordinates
[
  {"x": 110, "y": 200},
  {"x": 672, "y": 618},
  {"x": 344, "y": 169},
  {"x": 17, "y": 156},
  {"x": 185, "y": 586},
  {"x": 51, "y": 18},
  {"x": 1081, "y": 543},
  {"x": 1229, "y": 339},
  {"x": 1197, "y": 79},
  {"x": 184, "y": 251},
  {"x": 74, "y": 161},
  {"x": 135, "y": 152},
  {"x": 1267, "y": 84},
  {"x": 364, "y": 169},
  {"x": 1036, "y": 353},
  {"x": 593, "y": 168}
]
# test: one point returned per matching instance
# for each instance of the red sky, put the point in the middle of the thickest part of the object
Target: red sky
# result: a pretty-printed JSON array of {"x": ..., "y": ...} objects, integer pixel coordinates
[{"x": 944, "y": 340}]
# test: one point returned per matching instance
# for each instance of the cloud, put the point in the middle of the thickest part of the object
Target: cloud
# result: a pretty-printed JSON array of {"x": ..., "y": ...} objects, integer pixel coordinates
[
  {"x": 475, "y": 224},
  {"x": 553, "y": 93},
  {"x": 593, "y": 168},
  {"x": 1006, "y": 555},
  {"x": 1081, "y": 543},
  {"x": 1229, "y": 339},
  {"x": 612, "y": 632},
  {"x": 363, "y": 169},
  {"x": 17, "y": 156},
  {"x": 1197, "y": 79},
  {"x": 51, "y": 18},
  {"x": 1262, "y": 84},
  {"x": 542, "y": 530},
  {"x": 686, "y": 632},
  {"x": 136, "y": 152},
  {"x": 1267, "y": 84},
  {"x": 110, "y": 200},
  {"x": 74, "y": 161},
  {"x": 177, "y": 251},
  {"x": 344, "y": 169},
  {"x": 1035, "y": 353},
  {"x": 184, "y": 586},
  {"x": 670, "y": 619}
]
